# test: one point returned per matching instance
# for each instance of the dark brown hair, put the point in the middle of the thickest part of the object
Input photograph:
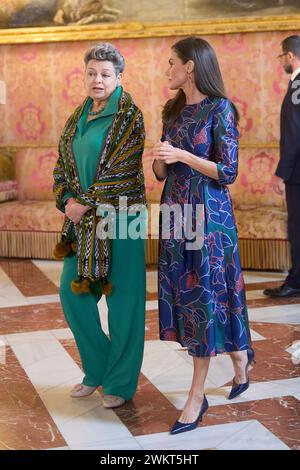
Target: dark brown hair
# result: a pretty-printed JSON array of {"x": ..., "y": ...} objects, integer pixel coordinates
[
  {"x": 291, "y": 44},
  {"x": 208, "y": 77}
]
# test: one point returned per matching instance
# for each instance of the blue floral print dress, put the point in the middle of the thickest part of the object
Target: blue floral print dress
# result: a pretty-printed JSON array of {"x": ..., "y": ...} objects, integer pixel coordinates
[{"x": 202, "y": 301}]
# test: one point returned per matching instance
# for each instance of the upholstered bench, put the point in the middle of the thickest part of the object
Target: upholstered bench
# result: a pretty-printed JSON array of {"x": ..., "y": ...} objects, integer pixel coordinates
[
  {"x": 30, "y": 226},
  {"x": 260, "y": 213}
]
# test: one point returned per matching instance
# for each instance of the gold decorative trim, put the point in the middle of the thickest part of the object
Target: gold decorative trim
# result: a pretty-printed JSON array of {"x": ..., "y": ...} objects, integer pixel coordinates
[
  {"x": 265, "y": 254},
  {"x": 149, "y": 29},
  {"x": 254, "y": 254},
  {"x": 23, "y": 244}
]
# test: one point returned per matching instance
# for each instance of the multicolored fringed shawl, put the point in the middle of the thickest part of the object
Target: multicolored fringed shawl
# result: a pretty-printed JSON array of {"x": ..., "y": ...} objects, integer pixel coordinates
[{"x": 119, "y": 173}]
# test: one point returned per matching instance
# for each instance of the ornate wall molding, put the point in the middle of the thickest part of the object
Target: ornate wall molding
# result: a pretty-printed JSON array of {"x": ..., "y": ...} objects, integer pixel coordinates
[{"x": 151, "y": 29}]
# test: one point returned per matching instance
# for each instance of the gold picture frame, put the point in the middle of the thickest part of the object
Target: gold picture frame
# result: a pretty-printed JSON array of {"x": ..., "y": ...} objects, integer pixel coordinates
[{"x": 101, "y": 31}]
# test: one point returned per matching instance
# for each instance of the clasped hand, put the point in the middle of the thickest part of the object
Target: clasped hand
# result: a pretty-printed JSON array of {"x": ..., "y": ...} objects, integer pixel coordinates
[
  {"x": 75, "y": 211},
  {"x": 279, "y": 186},
  {"x": 166, "y": 153}
]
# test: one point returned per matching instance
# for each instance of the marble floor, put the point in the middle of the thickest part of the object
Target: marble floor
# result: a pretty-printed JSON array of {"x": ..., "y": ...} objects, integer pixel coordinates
[{"x": 39, "y": 364}]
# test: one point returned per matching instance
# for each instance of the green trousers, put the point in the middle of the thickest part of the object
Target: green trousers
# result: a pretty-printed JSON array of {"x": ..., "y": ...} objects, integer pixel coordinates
[{"x": 113, "y": 362}]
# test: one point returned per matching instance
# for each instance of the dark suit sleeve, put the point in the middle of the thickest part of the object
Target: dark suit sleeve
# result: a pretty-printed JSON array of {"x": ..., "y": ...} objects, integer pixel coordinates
[{"x": 289, "y": 141}]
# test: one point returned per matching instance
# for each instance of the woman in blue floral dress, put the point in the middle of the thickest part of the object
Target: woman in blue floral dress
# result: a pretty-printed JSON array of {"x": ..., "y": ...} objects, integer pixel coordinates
[{"x": 201, "y": 289}]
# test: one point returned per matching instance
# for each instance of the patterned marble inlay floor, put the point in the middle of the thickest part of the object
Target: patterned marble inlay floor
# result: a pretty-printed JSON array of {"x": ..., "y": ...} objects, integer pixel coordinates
[{"x": 39, "y": 364}]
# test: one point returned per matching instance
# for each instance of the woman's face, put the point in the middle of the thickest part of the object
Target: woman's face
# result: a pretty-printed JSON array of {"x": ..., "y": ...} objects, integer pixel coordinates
[
  {"x": 100, "y": 79},
  {"x": 177, "y": 72}
]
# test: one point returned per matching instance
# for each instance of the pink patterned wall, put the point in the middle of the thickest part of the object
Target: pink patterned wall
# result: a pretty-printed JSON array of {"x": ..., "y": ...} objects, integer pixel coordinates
[{"x": 44, "y": 84}]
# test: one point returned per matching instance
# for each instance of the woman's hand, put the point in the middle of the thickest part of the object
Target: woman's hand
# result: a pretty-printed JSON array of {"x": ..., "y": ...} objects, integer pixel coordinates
[
  {"x": 279, "y": 185},
  {"x": 75, "y": 211},
  {"x": 166, "y": 153}
]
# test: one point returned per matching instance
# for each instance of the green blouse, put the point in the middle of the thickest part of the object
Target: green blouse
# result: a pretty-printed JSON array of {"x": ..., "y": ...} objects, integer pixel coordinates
[{"x": 89, "y": 140}]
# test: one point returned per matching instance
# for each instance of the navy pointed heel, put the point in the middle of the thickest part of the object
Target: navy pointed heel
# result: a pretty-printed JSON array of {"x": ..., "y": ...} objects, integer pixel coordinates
[
  {"x": 183, "y": 427},
  {"x": 237, "y": 389}
]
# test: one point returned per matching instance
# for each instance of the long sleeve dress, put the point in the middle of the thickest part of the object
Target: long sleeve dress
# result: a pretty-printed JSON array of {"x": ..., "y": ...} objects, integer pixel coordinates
[{"x": 202, "y": 301}]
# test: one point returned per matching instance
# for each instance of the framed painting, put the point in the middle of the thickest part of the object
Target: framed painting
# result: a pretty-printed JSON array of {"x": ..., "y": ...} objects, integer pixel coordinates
[{"x": 25, "y": 21}]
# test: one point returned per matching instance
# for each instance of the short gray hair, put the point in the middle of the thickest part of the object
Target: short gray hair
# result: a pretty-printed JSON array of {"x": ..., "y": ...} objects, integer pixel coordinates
[{"x": 106, "y": 51}]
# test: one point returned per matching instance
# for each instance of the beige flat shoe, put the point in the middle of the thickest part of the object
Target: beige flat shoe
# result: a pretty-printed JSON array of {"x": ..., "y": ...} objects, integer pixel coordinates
[
  {"x": 81, "y": 390},
  {"x": 112, "y": 401}
]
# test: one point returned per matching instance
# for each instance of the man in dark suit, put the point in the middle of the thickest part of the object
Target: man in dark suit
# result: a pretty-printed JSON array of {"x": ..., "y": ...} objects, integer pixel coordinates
[{"x": 288, "y": 169}]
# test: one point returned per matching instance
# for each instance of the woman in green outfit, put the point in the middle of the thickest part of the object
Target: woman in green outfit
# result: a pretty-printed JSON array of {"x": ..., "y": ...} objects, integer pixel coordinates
[{"x": 99, "y": 167}]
